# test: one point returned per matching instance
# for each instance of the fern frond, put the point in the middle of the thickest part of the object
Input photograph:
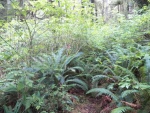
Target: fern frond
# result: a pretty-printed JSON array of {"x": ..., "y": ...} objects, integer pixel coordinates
[
  {"x": 69, "y": 59},
  {"x": 128, "y": 92},
  {"x": 57, "y": 57},
  {"x": 128, "y": 72},
  {"x": 112, "y": 58},
  {"x": 111, "y": 86},
  {"x": 144, "y": 86},
  {"x": 121, "y": 109},
  {"x": 108, "y": 69},
  {"x": 9, "y": 109},
  {"x": 101, "y": 91},
  {"x": 96, "y": 78},
  {"x": 79, "y": 83},
  {"x": 10, "y": 88},
  {"x": 76, "y": 68}
]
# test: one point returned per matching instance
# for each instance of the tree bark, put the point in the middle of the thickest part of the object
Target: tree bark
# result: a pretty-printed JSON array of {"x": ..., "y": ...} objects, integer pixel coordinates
[{"x": 21, "y": 3}]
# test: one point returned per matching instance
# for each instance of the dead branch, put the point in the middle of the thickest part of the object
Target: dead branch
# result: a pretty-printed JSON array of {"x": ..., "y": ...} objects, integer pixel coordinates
[{"x": 132, "y": 105}]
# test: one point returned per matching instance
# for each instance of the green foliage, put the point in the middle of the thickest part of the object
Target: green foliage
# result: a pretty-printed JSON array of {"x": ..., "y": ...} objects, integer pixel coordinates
[
  {"x": 101, "y": 91},
  {"x": 147, "y": 66},
  {"x": 56, "y": 98},
  {"x": 96, "y": 79},
  {"x": 121, "y": 110},
  {"x": 14, "y": 110},
  {"x": 79, "y": 83},
  {"x": 120, "y": 67},
  {"x": 128, "y": 92},
  {"x": 38, "y": 87},
  {"x": 55, "y": 67},
  {"x": 115, "y": 60}
]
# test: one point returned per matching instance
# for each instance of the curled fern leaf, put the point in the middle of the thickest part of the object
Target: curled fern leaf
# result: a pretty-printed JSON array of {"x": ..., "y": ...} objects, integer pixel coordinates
[
  {"x": 101, "y": 91},
  {"x": 128, "y": 92},
  {"x": 121, "y": 109}
]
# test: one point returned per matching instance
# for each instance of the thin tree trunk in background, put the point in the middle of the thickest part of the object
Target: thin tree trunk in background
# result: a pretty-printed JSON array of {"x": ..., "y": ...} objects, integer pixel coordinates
[
  {"x": 107, "y": 10},
  {"x": 8, "y": 4},
  {"x": 98, "y": 8},
  {"x": 92, "y": 1},
  {"x": 125, "y": 7},
  {"x": 10, "y": 11},
  {"x": 3, "y": 11},
  {"x": 103, "y": 8},
  {"x": 21, "y": 3}
]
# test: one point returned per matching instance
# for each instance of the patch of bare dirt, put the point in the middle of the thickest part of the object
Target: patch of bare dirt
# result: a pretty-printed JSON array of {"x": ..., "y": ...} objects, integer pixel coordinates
[
  {"x": 85, "y": 108},
  {"x": 88, "y": 104}
]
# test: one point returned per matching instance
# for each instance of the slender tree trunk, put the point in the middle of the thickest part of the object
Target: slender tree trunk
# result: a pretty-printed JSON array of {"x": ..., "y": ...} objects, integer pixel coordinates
[
  {"x": 21, "y": 3},
  {"x": 10, "y": 11},
  {"x": 103, "y": 8},
  {"x": 3, "y": 11},
  {"x": 92, "y": 1}
]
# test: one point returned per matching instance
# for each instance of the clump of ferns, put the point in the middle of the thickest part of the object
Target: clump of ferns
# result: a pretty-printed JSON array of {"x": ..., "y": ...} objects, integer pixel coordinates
[
  {"x": 100, "y": 84},
  {"x": 125, "y": 98},
  {"x": 102, "y": 81}
]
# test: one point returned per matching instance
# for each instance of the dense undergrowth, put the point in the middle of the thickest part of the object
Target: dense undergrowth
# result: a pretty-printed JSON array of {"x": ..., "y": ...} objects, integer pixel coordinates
[{"x": 43, "y": 59}]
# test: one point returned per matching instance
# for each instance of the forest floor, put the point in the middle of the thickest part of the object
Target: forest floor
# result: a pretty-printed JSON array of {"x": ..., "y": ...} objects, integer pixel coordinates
[{"x": 88, "y": 104}]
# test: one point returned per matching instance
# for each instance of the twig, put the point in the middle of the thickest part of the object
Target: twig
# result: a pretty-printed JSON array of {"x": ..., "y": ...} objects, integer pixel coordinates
[{"x": 132, "y": 105}]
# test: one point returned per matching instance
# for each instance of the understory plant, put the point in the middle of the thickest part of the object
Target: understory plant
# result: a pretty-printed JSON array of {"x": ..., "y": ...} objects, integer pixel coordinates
[
  {"x": 44, "y": 86},
  {"x": 42, "y": 60},
  {"x": 124, "y": 79}
]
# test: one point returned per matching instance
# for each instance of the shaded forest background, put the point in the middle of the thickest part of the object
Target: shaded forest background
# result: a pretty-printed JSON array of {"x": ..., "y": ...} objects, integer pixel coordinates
[{"x": 69, "y": 56}]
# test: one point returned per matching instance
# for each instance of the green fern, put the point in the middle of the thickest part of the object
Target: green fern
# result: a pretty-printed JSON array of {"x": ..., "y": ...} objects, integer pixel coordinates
[
  {"x": 101, "y": 91},
  {"x": 111, "y": 57},
  {"x": 96, "y": 79},
  {"x": 121, "y": 109},
  {"x": 12, "y": 110},
  {"x": 54, "y": 62},
  {"x": 127, "y": 72},
  {"x": 78, "y": 83},
  {"x": 73, "y": 69},
  {"x": 58, "y": 56},
  {"x": 71, "y": 58},
  {"x": 107, "y": 69},
  {"x": 144, "y": 86},
  {"x": 128, "y": 92}
]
